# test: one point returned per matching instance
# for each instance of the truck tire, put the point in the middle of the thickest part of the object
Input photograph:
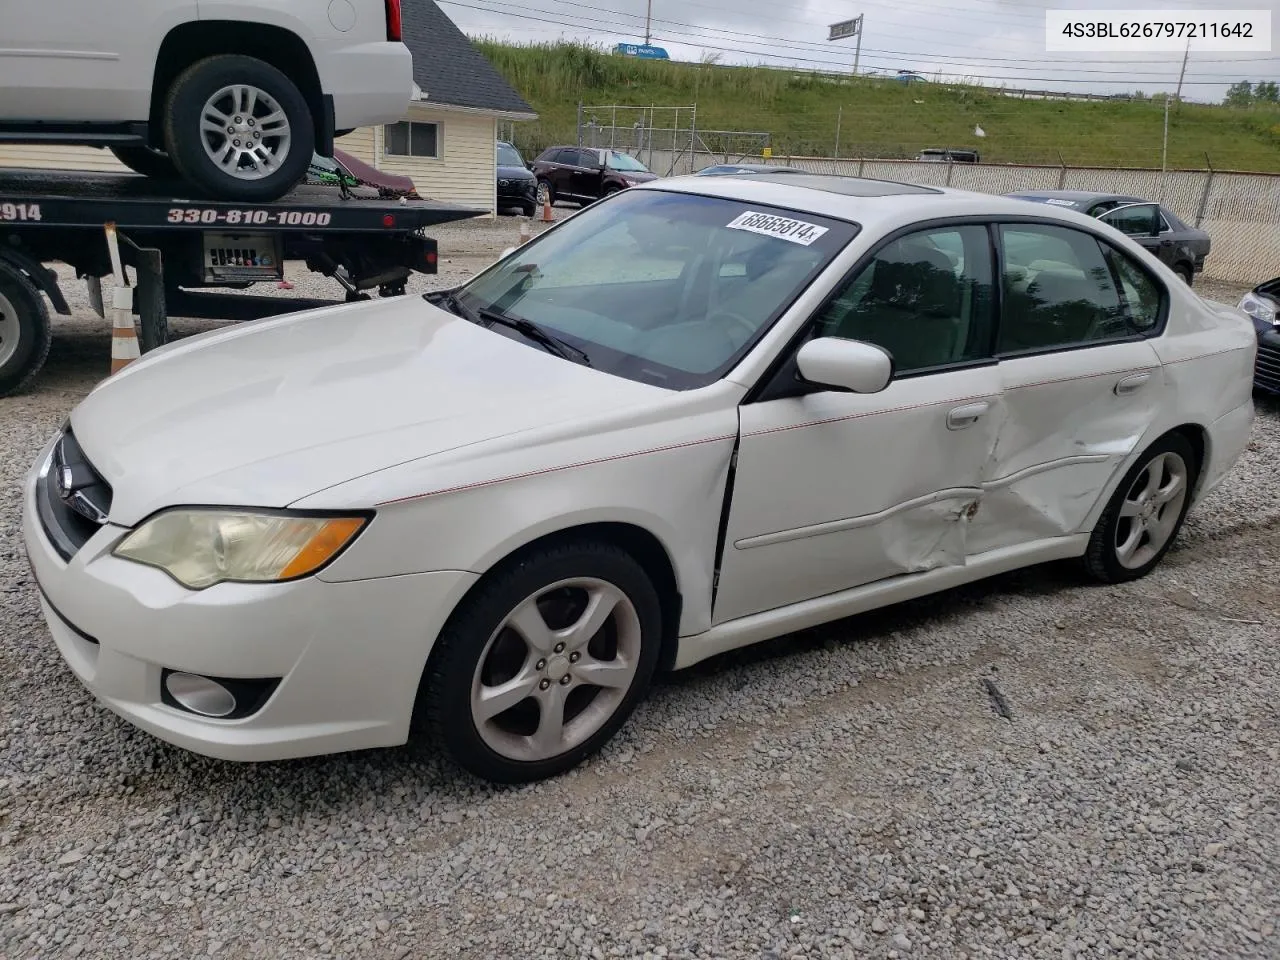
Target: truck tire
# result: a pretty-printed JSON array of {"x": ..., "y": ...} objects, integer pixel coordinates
[
  {"x": 147, "y": 161},
  {"x": 269, "y": 137},
  {"x": 25, "y": 335}
]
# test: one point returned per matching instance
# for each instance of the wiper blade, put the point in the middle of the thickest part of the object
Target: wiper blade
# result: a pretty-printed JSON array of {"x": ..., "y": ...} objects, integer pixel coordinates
[
  {"x": 451, "y": 302},
  {"x": 548, "y": 341}
]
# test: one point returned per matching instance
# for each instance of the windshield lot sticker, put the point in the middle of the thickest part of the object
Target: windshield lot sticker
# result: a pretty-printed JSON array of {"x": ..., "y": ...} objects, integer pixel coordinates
[
  {"x": 1060, "y": 203},
  {"x": 784, "y": 228}
]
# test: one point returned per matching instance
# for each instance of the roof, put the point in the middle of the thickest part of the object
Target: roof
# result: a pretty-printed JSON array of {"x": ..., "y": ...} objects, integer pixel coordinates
[
  {"x": 1077, "y": 197},
  {"x": 449, "y": 69},
  {"x": 876, "y": 204}
]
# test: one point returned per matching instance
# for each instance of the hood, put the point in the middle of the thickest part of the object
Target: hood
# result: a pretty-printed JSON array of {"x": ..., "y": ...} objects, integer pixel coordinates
[
  {"x": 636, "y": 175},
  {"x": 515, "y": 173},
  {"x": 267, "y": 413},
  {"x": 373, "y": 176}
]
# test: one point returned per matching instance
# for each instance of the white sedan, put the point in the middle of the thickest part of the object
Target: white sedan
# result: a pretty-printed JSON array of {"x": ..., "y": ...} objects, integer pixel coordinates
[{"x": 699, "y": 414}]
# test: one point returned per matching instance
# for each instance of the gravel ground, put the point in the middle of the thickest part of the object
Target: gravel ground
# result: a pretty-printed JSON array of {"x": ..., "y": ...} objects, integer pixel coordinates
[{"x": 847, "y": 792}]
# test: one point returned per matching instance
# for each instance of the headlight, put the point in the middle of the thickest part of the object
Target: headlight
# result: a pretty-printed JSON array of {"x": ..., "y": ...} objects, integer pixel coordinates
[
  {"x": 1258, "y": 308},
  {"x": 201, "y": 547}
]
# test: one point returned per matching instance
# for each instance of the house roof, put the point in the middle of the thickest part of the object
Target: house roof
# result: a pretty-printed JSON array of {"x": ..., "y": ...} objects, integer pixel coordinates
[{"x": 449, "y": 69}]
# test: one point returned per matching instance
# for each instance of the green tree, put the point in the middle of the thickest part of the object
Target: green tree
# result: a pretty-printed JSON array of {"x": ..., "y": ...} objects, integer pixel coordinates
[
  {"x": 1266, "y": 91},
  {"x": 1239, "y": 94}
]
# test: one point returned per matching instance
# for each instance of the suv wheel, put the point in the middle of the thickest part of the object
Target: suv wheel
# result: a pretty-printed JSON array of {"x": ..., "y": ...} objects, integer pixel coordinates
[
  {"x": 239, "y": 128},
  {"x": 546, "y": 193}
]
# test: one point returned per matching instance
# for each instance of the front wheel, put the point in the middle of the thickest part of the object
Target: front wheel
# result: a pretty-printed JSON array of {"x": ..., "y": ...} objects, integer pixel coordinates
[
  {"x": 1184, "y": 271},
  {"x": 544, "y": 663},
  {"x": 1145, "y": 513},
  {"x": 239, "y": 129}
]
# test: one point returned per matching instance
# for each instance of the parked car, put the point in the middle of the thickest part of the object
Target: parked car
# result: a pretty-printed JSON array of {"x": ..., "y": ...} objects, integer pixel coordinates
[
  {"x": 1262, "y": 304},
  {"x": 701, "y": 413},
  {"x": 517, "y": 186},
  {"x": 933, "y": 155},
  {"x": 235, "y": 97},
  {"x": 1154, "y": 226},
  {"x": 744, "y": 169},
  {"x": 586, "y": 174}
]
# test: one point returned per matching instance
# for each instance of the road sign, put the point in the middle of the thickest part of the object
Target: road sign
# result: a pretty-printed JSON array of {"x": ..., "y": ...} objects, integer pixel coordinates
[
  {"x": 642, "y": 51},
  {"x": 845, "y": 29}
]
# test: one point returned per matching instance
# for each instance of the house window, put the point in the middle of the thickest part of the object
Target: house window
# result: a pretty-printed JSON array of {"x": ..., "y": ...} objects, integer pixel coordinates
[{"x": 406, "y": 139}]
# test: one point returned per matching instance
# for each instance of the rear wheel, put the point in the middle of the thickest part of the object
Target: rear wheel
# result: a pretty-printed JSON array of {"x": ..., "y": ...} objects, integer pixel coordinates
[
  {"x": 25, "y": 335},
  {"x": 543, "y": 663},
  {"x": 1145, "y": 513},
  {"x": 147, "y": 161},
  {"x": 546, "y": 193},
  {"x": 1184, "y": 271},
  {"x": 239, "y": 129}
]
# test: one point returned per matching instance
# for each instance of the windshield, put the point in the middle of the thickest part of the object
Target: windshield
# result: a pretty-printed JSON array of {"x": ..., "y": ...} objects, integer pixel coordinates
[
  {"x": 665, "y": 288},
  {"x": 620, "y": 161},
  {"x": 508, "y": 156}
]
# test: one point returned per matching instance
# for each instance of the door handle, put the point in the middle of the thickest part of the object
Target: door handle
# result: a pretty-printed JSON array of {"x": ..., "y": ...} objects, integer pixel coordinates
[
  {"x": 967, "y": 415},
  {"x": 1132, "y": 384}
]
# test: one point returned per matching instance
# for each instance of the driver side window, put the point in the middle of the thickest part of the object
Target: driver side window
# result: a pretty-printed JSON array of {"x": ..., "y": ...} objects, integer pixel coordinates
[{"x": 926, "y": 298}]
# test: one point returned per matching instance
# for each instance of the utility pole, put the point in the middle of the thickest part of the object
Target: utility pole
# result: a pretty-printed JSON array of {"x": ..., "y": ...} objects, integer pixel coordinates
[
  {"x": 648, "y": 19},
  {"x": 1164, "y": 154}
]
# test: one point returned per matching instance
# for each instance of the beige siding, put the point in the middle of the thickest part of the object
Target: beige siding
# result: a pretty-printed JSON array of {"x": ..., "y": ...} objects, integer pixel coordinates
[
  {"x": 58, "y": 158},
  {"x": 360, "y": 144},
  {"x": 466, "y": 171}
]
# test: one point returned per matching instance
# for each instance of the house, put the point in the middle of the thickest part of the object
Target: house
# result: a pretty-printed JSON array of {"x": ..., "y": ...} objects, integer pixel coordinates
[{"x": 445, "y": 143}]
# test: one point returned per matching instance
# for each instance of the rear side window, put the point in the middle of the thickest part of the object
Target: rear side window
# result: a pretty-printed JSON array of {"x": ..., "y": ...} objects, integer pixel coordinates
[
  {"x": 1142, "y": 294},
  {"x": 569, "y": 157},
  {"x": 1057, "y": 290}
]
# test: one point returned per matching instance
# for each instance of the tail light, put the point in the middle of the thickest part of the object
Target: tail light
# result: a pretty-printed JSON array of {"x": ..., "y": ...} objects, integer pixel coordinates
[{"x": 394, "y": 31}]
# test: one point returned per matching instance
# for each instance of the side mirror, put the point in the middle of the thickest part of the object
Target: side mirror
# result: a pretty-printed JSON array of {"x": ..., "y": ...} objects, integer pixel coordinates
[{"x": 845, "y": 364}]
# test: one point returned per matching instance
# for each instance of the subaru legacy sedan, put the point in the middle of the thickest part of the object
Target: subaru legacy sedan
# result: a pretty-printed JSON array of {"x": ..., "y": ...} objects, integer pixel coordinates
[{"x": 706, "y": 412}]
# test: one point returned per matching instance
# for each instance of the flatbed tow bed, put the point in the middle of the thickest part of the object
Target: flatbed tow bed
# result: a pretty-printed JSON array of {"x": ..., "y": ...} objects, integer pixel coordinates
[{"x": 179, "y": 246}]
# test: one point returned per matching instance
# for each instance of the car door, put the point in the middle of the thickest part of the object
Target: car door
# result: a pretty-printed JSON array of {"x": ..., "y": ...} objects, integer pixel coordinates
[
  {"x": 588, "y": 174},
  {"x": 1080, "y": 380},
  {"x": 1142, "y": 222},
  {"x": 834, "y": 489},
  {"x": 561, "y": 174},
  {"x": 82, "y": 60}
]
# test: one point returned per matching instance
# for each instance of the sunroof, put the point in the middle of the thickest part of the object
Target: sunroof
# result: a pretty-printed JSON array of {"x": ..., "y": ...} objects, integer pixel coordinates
[{"x": 847, "y": 186}]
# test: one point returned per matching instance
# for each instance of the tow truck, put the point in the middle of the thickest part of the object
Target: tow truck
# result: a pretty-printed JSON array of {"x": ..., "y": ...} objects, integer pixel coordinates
[{"x": 187, "y": 253}]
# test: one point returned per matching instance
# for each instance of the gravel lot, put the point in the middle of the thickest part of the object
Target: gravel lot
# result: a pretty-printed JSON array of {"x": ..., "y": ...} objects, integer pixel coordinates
[{"x": 848, "y": 792}]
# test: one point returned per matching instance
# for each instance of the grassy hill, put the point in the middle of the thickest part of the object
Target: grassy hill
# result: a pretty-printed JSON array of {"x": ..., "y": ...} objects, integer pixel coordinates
[{"x": 879, "y": 117}]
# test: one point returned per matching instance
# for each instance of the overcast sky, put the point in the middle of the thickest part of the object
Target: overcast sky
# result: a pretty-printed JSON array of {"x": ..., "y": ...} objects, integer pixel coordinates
[{"x": 1000, "y": 41}]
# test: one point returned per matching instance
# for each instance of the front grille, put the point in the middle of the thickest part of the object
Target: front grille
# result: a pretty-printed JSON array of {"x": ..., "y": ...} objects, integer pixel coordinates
[
  {"x": 72, "y": 498},
  {"x": 1267, "y": 372}
]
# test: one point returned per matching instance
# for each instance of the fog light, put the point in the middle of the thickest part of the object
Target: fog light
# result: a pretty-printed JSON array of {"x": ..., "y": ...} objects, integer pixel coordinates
[{"x": 200, "y": 694}]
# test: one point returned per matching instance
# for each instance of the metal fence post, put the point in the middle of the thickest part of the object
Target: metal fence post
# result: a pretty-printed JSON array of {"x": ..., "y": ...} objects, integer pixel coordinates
[
  {"x": 1062, "y": 171},
  {"x": 861, "y": 163},
  {"x": 1204, "y": 196},
  {"x": 839, "y": 117},
  {"x": 950, "y": 168},
  {"x": 579, "y": 123}
]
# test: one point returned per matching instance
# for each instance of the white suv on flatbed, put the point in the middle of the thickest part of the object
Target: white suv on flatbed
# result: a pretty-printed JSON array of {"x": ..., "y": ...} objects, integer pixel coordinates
[{"x": 233, "y": 95}]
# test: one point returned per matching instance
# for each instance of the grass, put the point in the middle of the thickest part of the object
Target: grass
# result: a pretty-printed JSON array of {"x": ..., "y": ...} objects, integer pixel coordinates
[{"x": 800, "y": 113}]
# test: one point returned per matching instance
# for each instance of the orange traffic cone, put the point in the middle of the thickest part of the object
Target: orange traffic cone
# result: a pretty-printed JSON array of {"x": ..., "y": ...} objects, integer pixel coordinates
[
  {"x": 124, "y": 336},
  {"x": 546, "y": 210}
]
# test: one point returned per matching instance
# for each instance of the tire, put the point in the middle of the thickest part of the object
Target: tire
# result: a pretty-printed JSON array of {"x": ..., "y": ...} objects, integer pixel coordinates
[
  {"x": 1185, "y": 272},
  {"x": 529, "y": 209},
  {"x": 25, "y": 334},
  {"x": 1105, "y": 560},
  {"x": 479, "y": 650},
  {"x": 147, "y": 161},
  {"x": 545, "y": 186},
  {"x": 205, "y": 84}
]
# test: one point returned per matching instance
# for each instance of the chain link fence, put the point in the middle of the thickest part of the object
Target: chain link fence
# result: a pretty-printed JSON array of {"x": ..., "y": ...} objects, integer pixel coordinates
[{"x": 1239, "y": 211}]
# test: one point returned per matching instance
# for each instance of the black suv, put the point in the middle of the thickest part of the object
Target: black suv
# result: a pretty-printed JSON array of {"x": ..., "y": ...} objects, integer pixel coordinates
[
  {"x": 517, "y": 186},
  {"x": 585, "y": 174}
]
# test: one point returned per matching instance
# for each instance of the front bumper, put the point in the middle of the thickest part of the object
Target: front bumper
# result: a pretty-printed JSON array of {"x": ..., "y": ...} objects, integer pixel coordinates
[
  {"x": 517, "y": 192},
  {"x": 1266, "y": 374},
  {"x": 349, "y": 655}
]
